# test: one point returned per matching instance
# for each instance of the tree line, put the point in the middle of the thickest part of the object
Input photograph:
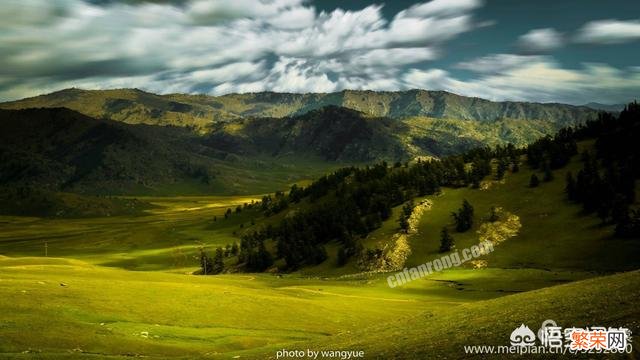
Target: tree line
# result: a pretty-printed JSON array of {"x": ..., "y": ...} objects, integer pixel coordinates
[
  {"x": 606, "y": 184},
  {"x": 349, "y": 203}
]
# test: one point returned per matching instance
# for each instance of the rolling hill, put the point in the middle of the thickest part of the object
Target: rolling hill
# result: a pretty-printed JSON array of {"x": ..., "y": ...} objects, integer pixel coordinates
[
  {"x": 553, "y": 269},
  {"x": 128, "y": 141},
  {"x": 60, "y": 149},
  {"x": 439, "y": 334},
  {"x": 124, "y": 286}
]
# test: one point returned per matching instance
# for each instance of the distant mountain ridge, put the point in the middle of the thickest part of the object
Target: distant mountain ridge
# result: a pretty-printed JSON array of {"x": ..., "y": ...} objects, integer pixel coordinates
[
  {"x": 131, "y": 141},
  {"x": 58, "y": 149},
  {"x": 201, "y": 111},
  {"x": 606, "y": 107}
]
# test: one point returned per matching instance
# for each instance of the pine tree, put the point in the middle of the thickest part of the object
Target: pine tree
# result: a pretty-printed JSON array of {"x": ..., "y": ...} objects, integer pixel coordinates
[
  {"x": 548, "y": 174},
  {"x": 480, "y": 168},
  {"x": 629, "y": 226},
  {"x": 446, "y": 240},
  {"x": 620, "y": 209},
  {"x": 502, "y": 167},
  {"x": 234, "y": 249},
  {"x": 206, "y": 265},
  {"x": 464, "y": 217},
  {"x": 534, "y": 181},
  {"x": 343, "y": 256},
  {"x": 570, "y": 189},
  {"x": 407, "y": 209},
  {"x": 468, "y": 210},
  {"x": 218, "y": 262},
  {"x": 474, "y": 180},
  {"x": 260, "y": 259},
  {"x": 317, "y": 254},
  {"x": 295, "y": 193}
]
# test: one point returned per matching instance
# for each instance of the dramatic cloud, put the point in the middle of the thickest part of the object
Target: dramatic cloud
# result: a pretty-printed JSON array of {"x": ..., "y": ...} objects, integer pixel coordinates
[
  {"x": 534, "y": 78},
  {"x": 609, "y": 32},
  {"x": 222, "y": 46},
  {"x": 540, "y": 40},
  {"x": 217, "y": 46}
]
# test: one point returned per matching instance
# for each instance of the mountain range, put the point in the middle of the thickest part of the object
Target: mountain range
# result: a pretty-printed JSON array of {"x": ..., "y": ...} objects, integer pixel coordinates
[
  {"x": 135, "y": 106},
  {"x": 130, "y": 141}
]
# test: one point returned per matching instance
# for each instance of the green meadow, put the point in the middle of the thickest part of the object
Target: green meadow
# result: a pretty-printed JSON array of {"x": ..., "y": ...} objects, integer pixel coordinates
[{"x": 123, "y": 286}]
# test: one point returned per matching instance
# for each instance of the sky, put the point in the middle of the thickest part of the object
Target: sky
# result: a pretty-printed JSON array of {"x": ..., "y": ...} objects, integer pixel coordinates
[{"x": 569, "y": 51}]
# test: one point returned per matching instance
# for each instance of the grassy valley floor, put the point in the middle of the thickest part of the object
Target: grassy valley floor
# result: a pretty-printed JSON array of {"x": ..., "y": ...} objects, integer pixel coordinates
[{"x": 119, "y": 287}]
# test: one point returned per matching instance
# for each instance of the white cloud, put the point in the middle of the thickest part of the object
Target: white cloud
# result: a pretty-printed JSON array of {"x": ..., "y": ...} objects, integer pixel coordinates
[
  {"x": 434, "y": 21},
  {"x": 294, "y": 75},
  {"x": 295, "y": 18},
  {"x": 417, "y": 30},
  {"x": 218, "y": 45},
  {"x": 609, "y": 32},
  {"x": 228, "y": 72},
  {"x": 441, "y": 8},
  {"x": 335, "y": 33},
  {"x": 497, "y": 63},
  {"x": 539, "y": 78},
  {"x": 541, "y": 40},
  {"x": 222, "y": 46},
  {"x": 434, "y": 79},
  {"x": 395, "y": 57},
  {"x": 286, "y": 75},
  {"x": 212, "y": 12}
]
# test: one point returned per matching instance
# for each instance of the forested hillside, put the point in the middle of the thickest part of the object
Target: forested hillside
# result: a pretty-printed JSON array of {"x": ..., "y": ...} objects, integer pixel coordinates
[
  {"x": 350, "y": 203},
  {"x": 63, "y": 150}
]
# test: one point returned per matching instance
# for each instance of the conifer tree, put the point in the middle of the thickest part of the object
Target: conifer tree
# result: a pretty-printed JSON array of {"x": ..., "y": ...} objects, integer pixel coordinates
[
  {"x": 446, "y": 240},
  {"x": 464, "y": 217},
  {"x": 218, "y": 262},
  {"x": 570, "y": 188},
  {"x": 548, "y": 174},
  {"x": 206, "y": 265},
  {"x": 534, "y": 181}
]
